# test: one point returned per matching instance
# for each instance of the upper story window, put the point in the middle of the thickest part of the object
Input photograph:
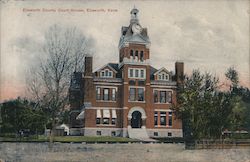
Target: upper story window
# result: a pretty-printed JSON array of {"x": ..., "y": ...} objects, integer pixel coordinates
[
  {"x": 163, "y": 76},
  {"x": 131, "y": 53},
  {"x": 141, "y": 56},
  {"x": 106, "y": 73},
  {"x": 104, "y": 93},
  {"x": 136, "y": 54},
  {"x": 136, "y": 94},
  {"x": 137, "y": 73},
  {"x": 162, "y": 96}
]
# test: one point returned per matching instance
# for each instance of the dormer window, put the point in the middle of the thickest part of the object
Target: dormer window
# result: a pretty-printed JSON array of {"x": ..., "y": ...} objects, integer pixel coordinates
[
  {"x": 106, "y": 73},
  {"x": 163, "y": 76}
]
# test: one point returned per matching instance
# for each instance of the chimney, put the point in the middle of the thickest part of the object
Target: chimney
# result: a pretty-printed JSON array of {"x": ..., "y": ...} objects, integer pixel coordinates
[
  {"x": 88, "y": 66},
  {"x": 179, "y": 72}
]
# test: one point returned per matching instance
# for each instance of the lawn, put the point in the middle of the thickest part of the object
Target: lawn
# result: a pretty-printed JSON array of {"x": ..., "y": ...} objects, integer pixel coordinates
[{"x": 90, "y": 139}]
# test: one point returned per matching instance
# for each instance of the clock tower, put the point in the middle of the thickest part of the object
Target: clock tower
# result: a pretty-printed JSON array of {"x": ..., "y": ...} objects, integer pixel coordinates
[{"x": 134, "y": 42}]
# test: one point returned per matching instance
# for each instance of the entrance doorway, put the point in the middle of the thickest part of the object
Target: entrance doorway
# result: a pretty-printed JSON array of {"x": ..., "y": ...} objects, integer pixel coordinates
[{"x": 136, "y": 121}]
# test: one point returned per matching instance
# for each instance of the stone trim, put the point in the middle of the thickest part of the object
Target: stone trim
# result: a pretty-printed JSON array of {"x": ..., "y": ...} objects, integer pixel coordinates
[
  {"x": 105, "y": 108},
  {"x": 141, "y": 110},
  {"x": 164, "y": 132},
  {"x": 161, "y": 82}
]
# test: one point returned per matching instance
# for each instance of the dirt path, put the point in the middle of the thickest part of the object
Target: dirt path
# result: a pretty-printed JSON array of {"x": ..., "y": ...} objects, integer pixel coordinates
[{"x": 117, "y": 153}]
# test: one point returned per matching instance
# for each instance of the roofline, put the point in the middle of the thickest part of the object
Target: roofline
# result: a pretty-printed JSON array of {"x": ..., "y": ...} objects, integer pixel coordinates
[
  {"x": 161, "y": 69},
  {"x": 104, "y": 67}
]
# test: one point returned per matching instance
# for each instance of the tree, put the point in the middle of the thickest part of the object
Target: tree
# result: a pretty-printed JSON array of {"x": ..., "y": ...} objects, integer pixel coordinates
[
  {"x": 21, "y": 114},
  {"x": 64, "y": 51},
  {"x": 238, "y": 101},
  {"x": 196, "y": 102},
  {"x": 233, "y": 76},
  {"x": 206, "y": 111}
]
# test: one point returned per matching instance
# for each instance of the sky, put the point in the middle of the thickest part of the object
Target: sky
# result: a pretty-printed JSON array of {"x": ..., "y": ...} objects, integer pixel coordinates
[{"x": 208, "y": 35}]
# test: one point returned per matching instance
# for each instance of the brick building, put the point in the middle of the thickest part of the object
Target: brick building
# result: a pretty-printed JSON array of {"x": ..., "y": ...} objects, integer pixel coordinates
[{"x": 129, "y": 98}]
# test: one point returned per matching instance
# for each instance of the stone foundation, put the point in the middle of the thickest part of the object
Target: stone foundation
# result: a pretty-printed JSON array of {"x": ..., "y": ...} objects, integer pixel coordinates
[
  {"x": 96, "y": 131},
  {"x": 165, "y": 132}
]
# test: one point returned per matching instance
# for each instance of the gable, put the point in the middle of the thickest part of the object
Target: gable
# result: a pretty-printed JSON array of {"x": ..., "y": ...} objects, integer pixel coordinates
[
  {"x": 107, "y": 66},
  {"x": 162, "y": 70}
]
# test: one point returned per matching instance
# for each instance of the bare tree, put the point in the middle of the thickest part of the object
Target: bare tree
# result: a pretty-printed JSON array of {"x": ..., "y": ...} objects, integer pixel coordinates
[{"x": 64, "y": 52}]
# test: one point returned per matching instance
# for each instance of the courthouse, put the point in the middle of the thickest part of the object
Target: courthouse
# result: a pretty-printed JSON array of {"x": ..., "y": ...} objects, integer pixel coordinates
[{"x": 129, "y": 98}]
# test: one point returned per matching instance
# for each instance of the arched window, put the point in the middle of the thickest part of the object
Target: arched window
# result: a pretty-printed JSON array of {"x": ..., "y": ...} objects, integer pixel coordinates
[
  {"x": 136, "y": 53},
  {"x": 131, "y": 53},
  {"x": 141, "y": 56}
]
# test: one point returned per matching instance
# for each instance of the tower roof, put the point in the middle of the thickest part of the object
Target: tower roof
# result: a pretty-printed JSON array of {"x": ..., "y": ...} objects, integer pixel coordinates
[{"x": 134, "y": 33}]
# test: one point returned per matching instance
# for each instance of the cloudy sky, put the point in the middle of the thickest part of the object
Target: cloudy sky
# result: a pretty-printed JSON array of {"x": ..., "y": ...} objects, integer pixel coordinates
[{"x": 208, "y": 35}]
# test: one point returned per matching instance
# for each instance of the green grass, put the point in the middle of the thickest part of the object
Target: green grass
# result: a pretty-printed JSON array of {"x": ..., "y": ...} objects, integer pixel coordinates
[{"x": 69, "y": 139}]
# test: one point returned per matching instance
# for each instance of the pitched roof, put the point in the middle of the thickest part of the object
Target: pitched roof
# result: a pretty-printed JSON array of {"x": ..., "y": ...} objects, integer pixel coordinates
[
  {"x": 112, "y": 66},
  {"x": 162, "y": 69}
]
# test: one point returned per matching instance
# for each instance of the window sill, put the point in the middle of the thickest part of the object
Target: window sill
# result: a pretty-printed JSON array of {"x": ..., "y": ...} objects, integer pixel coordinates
[
  {"x": 105, "y": 101},
  {"x": 138, "y": 101},
  {"x": 109, "y": 125},
  {"x": 166, "y": 103},
  {"x": 163, "y": 126}
]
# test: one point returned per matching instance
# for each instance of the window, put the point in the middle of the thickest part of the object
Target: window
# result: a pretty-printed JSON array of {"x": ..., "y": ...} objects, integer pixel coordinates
[
  {"x": 131, "y": 72},
  {"x": 113, "y": 94},
  {"x": 113, "y": 121},
  {"x": 105, "y": 94},
  {"x": 132, "y": 94},
  {"x": 163, "y": 118},
  {"x": 140, "y": 94},
  {"x": 142, "y": 74},
  {"x": 106, "y": 116},
  {"x": 105, "y": 121},
  {"x": 136, "y": 73},
  {"x": 136, "y": 94},
  {"x": 170, "y": 119},
  {"x": 98, "y": 116},
  {"x": 136, "y": 54},
  {"x": 167, "y": 77},
  {"x": 131, "y": 53},
  {"x": 156, "y": 134},
  {"x": 169, "y": 134},
  {"x": 98, "y": 120},
  {"x": 163, "y": 76},
  {"x": 98, "y": 133},
  {"x": 141, "y": 56},
  {"x": 113, "y": 133},
  {"x": 156, "y": 118},
  {"x": 155, "y": 96},
  {"x": 163, "y": 96},
  {"x": 106, "y": 73},
  {"x": 169, "y": 96},
  {"x": 98, "y": 93}
]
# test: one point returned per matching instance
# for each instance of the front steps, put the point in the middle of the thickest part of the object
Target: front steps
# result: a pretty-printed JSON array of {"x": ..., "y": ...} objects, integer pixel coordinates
[{"x": 139, "y": 134}]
